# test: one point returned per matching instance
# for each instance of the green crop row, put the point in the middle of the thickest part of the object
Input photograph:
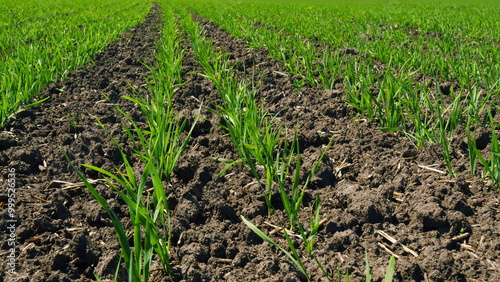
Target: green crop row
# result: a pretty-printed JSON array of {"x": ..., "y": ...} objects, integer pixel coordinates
[
  {"x": 159, "y": 146},
  {"x": 41, "y": 41},
  {"x": 260, "y": 141}
]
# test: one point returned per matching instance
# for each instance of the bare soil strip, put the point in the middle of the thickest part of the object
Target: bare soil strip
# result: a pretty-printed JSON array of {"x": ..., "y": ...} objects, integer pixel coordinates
[{"x": 376, "y": 189}]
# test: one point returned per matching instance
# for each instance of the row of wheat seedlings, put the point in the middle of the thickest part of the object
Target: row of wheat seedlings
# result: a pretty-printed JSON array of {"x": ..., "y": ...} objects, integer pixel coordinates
[
  {"x": 159, "y": 146},
  {"x": 258, "y": 141}
]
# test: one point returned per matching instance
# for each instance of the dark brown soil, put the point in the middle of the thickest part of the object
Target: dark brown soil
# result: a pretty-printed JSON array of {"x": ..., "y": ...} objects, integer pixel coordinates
[{"x": 369, "y": 180}]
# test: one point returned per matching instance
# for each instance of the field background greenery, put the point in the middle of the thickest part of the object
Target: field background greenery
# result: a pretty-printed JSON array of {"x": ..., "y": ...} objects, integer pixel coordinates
[{"x": 42, "y": 41}]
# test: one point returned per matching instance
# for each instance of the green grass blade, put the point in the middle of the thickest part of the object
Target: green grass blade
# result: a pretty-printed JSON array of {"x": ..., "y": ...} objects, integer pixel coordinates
[
  {"x": 389, "y": 274},
  {"x": 269, "y": 240}
]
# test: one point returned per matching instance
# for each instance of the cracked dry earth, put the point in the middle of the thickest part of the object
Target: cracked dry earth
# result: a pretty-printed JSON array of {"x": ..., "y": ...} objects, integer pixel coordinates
[{"x": 373, "y": 185}]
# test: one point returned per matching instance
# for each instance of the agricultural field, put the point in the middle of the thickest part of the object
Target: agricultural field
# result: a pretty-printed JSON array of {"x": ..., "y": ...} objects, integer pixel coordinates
[{"x": 234, "y": 140}]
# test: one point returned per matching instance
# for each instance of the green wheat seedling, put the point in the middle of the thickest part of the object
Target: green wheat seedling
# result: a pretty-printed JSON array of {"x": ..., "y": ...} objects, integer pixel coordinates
[
  {"x": 330, "y": 67},
  {"x": 478, "y": 104},
  {"x": 389, "y": 273},
  {"x": 255, "y": 138},
  {"x": 473, "y": 151},
  {"x": 358, "y": 94},
  {"x": 148, "y": 237},
  {"x": 292, "y": 254},
  {"x": 307, "y": 237},
  {"x": 292, "y": 199},
  {"x": 491, "y": 165},
  {"x": 443, "y": 136},
  {"x": 420, "y": 129},
  {"x": 388, "y": 105},
  {"x": 9, "y": 110}
]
